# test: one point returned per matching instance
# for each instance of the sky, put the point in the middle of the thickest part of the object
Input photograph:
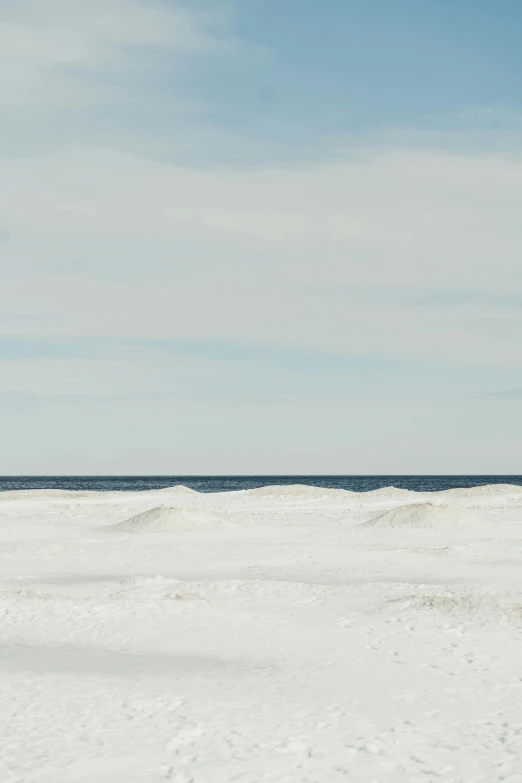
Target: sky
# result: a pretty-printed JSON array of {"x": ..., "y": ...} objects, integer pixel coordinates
[{"x": 260, "y": 237}]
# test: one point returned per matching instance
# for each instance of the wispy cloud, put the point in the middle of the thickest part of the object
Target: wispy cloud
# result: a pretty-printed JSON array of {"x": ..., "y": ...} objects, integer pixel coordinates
[
  {"x": 65, "y": 53},
  {"x": 505, "y": 394},
  {"x": 468, "y": 299},
  {"x": 107, "y": 73}
]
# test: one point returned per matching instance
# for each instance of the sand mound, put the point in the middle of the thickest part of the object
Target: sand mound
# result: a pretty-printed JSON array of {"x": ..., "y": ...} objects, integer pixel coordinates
[
  {"x": 425, "y": 515},
  {"x": 490, "y": 608},
  {"x": 483, "y": 490},
  {"x": 387, "y": 492},
  {"x": 165, "y": 519},
  {"x": 73, "y": 494},
  {"x": 178, "y": 489},
  {"x": 45, "y": 494},
  {"x": 294, "y": 490}
]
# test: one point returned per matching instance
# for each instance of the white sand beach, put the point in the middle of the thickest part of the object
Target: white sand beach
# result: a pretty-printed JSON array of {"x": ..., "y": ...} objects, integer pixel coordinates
[{"x": 280, "y": 635}]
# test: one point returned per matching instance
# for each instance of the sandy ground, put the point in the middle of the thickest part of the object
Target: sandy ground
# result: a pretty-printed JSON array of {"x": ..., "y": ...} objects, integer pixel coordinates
[{"x": 262, "y": 636}]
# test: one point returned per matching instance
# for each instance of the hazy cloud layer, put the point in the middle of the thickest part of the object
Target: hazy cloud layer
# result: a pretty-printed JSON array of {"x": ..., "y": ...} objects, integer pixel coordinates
[{"x": 368, "y": 255}]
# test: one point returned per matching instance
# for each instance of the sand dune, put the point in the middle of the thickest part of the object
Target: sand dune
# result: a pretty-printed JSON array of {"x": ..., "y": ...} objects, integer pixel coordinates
[
  {"x": 420, "y": 515},
  {"x": 164, "y": 519},
  {"x": 176, "y": 489}
]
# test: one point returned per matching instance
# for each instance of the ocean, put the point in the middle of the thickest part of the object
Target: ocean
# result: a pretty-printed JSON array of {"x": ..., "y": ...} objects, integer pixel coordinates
[{"x": 232, "y": 483}]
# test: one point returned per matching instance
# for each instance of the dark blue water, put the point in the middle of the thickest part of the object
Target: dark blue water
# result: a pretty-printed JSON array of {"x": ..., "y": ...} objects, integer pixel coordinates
[{"x": 229, "y": 483}]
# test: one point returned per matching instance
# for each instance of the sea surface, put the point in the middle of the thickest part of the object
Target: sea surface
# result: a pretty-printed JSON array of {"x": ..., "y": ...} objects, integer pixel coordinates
[{"x": 232, "y": 483}]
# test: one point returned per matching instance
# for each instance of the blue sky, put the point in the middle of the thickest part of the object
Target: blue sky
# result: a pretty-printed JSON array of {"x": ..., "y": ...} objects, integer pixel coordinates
[
  {"x": 344, "y": 66},
  {"x": 260, "y": 237}
]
